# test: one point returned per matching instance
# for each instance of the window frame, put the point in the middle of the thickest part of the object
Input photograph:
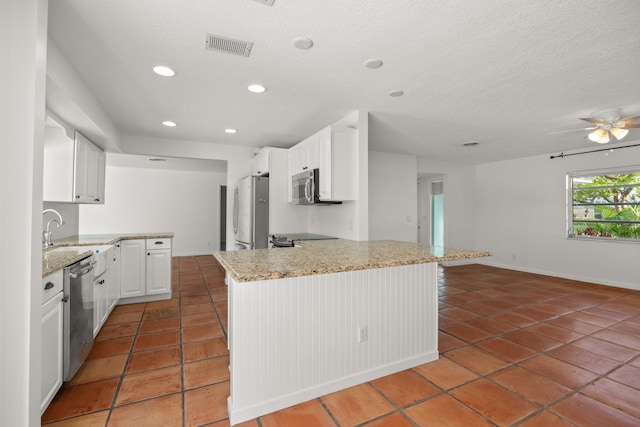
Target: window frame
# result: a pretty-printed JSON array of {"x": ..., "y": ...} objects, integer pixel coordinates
[{"x": 570, "y": 176}]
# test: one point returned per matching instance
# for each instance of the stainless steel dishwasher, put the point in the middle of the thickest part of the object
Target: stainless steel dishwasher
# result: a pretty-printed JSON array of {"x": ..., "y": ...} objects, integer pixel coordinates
[{"x": 78, "y": 314}]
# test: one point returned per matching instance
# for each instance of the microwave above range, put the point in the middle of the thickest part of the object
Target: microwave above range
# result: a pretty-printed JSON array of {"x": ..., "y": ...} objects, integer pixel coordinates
[{"x": 305, "y": 189}]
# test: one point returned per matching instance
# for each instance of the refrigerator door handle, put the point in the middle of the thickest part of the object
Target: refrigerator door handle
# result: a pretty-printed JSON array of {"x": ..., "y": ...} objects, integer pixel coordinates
[{"x": 235, "y": 211}]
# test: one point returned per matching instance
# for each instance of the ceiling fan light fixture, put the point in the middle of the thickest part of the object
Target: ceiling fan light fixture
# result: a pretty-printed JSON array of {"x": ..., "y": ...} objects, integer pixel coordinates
[
  {"x": 619, "y": 133},
  {"x": 600, "y": 136}
]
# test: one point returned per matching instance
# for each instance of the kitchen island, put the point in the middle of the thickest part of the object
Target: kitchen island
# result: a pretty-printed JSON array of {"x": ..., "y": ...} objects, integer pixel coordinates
[{"x": 307, "y": 321}]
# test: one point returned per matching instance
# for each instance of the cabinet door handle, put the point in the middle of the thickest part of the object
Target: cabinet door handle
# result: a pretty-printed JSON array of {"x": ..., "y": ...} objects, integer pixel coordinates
[
  {"x": 159, "y": 242},
  {"x": 148, "y": 253},
  {"x": 48, "y": 285},
  {"x": 96, "y": 200}
]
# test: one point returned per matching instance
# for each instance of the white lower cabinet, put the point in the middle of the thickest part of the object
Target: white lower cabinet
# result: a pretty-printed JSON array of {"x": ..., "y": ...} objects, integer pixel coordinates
[
  {"x": 132, "y": 268},
  {"x": 100, "y": 302},
  {"x": 158, "y": 271},
  {"x": 52, "y": 340},
  {"x": 145, "y": 270},
  {"x": 113, "y": 284}
]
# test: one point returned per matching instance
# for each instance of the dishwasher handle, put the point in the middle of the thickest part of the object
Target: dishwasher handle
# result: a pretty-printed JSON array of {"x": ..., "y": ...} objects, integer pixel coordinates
[{"x": 76, "y": 274}]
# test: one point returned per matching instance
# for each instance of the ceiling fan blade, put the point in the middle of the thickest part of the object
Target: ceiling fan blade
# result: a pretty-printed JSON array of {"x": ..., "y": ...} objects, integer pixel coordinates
[
  {"x": 594, "y": 121},
  {"x": 571, "y": 130},
  {"x": 630, "y": 120},
  {"x": 631, "y": 125}
]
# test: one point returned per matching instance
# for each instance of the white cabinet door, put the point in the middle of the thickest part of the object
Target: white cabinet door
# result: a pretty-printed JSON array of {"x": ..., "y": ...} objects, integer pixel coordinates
[
  {"x": 323, "y": 153},
  {"x": 132, "y": 268},
  {"x": 100, "y": 302},
  {"x": 89, "y": 171},
  {"x": 304, "y": 155},
  {"x": 95, "y": 164},
  {"x": 113, "y": 291},
  {"x": 297, "y": 158},
  {"x": 158, "y": 271},
  {"x": 52, "y": 340},
  {"x": 81, "y": 169},
  {"x": 338, "y": 171},
  {"x": 102, "y": 165}
]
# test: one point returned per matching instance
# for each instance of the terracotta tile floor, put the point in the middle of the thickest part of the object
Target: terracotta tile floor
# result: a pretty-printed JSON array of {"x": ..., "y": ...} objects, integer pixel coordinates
[{"x": 516, "y": 349}]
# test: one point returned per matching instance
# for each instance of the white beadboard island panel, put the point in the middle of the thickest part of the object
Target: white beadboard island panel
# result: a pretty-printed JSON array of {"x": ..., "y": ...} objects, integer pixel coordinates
[{"x": 295, "y": 339}]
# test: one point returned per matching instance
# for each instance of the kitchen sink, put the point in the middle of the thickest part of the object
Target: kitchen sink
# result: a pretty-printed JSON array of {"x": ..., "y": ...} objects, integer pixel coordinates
[{"x": 103, "y": 256}]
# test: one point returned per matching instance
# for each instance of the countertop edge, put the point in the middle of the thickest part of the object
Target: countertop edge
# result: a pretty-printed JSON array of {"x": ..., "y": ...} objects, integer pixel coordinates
[
  {"x": 106, "y": 239},
  {"x": 290, "y": 273}
]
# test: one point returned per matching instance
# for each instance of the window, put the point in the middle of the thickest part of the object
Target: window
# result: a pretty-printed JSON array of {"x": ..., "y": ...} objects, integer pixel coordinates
[{"x": 605, "y": 204}]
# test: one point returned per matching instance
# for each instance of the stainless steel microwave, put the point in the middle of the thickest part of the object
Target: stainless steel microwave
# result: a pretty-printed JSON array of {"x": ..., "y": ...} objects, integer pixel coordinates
[{"x": 305, "y": 189}]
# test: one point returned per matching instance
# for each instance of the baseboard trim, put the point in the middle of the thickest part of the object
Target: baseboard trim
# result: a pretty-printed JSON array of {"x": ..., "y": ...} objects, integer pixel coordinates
[{"x": 630, "y": 286}]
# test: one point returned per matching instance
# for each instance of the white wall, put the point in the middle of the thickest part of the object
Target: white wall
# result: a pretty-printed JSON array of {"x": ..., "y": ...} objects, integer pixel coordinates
[
  {"x": 70, "y": 215},
  {"x": 23, "y": 35},
  {"x": 238, "y": 161},
  {"x": 459, "y": 201},
  {"x": 393, "y": 197},
  {"x": 521, "y": 212},
  {"x": 141, "y": 200},
  {"x": 70, "y": 99}
]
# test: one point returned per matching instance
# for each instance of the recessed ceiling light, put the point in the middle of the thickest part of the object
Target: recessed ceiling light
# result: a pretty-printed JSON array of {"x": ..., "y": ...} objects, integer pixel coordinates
[
  {"x": 256, "y": 88},
  {"x": 396, "y": 93},
  {"x": 169, "y": 123},
  {"x": 164, "y": 71},
  {"x": 471, "y": 144},
  {"x": 373, "y": 63},
  {"x": 303, "y": 42},
  {"x": 230, "y": 130}
]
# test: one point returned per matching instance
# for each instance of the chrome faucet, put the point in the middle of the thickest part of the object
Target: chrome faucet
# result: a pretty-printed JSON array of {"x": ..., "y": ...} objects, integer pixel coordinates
[{"x": 46, "y": 234}]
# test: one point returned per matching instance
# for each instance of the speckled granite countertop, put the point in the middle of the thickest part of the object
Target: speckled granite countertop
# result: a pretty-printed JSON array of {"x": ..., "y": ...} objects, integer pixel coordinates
[
  {"x": 332, "y": 256},
  {"x": 53, "y": 261},
  {"x": 106, "y": 239}
]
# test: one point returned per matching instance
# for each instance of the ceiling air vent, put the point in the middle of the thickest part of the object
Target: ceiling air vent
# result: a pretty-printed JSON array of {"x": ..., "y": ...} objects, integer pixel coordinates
[
  {"x": 267, "y": 2},
  {"x": 228, "y": 45}
]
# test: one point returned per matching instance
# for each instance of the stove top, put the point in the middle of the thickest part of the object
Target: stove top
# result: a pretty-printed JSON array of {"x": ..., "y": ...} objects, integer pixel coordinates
[
  {"x": 289, "y": 240},
  {"x": 303, "y": 236},
  {"x": 282, "y": 242}
]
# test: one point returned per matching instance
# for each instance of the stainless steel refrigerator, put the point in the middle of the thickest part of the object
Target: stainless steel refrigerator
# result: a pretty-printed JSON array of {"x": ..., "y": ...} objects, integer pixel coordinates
[{"x": 251, "y": 213}]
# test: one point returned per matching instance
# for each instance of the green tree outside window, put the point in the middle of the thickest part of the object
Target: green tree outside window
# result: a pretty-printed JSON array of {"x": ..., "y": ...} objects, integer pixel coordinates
[{"x": 605, "y": 205}]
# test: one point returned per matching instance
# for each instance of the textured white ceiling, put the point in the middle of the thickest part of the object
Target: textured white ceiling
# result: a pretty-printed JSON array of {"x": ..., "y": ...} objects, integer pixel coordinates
[{"x": 503, "y": 72}]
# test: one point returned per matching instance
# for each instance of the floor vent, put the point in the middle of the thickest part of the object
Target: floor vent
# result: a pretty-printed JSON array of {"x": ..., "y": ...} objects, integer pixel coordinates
[{"x": 228, "y": 45}]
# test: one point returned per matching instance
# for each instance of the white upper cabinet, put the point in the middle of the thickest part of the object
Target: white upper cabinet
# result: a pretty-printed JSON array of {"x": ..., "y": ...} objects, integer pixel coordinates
[
  {"x": 304, "y": 155},
  {"x": 261, "y": 162},
  {"x": 334, "y": 153},
  {"x": 73, "y": 168},
  {"x": 89, "y": 171}
]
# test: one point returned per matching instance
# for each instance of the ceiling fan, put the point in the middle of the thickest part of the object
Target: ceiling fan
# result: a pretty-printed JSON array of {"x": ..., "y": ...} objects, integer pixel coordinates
[{"x": 608, "y": 124}]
